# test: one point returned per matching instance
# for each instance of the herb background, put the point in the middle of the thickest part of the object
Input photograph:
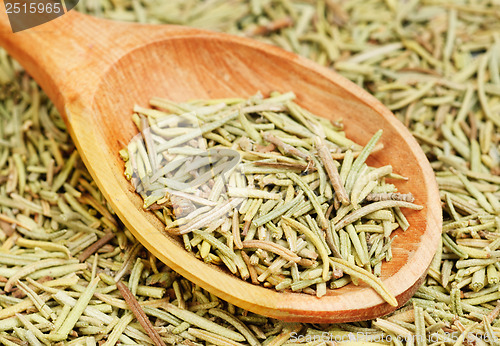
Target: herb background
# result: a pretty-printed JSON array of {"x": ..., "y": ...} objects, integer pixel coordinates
[{"x": 434, "y": 63}]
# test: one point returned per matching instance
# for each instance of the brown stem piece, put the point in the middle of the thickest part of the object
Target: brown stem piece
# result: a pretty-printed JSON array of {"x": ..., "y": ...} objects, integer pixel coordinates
[
  {"x": 139, "y": 314},
  {"x": 96, "y": 246}
]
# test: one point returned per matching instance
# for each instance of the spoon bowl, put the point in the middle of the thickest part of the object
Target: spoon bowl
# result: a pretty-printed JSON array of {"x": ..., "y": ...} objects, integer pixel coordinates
[{"x": 96, "y": 70}]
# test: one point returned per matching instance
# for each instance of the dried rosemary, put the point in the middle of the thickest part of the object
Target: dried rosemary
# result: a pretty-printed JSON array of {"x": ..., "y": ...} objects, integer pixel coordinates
[
  {"x": 260, "y": 162},
  {"x": 366, "y": 41}
]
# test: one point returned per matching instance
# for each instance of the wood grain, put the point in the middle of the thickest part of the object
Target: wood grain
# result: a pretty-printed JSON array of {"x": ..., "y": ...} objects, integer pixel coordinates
[{"x": 96, "y": 70}]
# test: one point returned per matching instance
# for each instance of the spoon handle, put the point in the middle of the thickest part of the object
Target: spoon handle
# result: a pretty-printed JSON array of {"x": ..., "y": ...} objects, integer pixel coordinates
[
  {"x": 68, "y": 55},
  {"x": 51, "y": 52}
]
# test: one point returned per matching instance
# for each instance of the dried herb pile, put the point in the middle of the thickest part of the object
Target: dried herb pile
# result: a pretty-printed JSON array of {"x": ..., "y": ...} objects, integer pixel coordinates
[
  {"x": 69, "y": 272},
  {"x": 267, "y": 189}
]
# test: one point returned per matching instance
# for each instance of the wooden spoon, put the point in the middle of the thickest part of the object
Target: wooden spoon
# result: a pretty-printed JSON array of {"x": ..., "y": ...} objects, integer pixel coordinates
[{"x": 95, "y": 71}]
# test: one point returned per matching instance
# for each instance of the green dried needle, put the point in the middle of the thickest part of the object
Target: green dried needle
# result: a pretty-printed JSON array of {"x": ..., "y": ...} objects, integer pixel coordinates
[
  {"x": 237, "y": 324},
  {"x": 360, "y": 160},
  {"x": 332, "y": 171},
  {"x": 370, "y": 208},
  {"x": 312, "y": 197},
  {"x": 492, "y": 275},
  {"x": 64, "y": 173},
  {"x": 314, "y": 239},
  {"x": 419, "y": 326},
  {"x": 478, "y": 280},
  {"x": 360, "y": 251},
  {"x": 118, "y": 329},
  {"x": 203, "y": 323},
  {"x": 247, "y": 126},
  {"x": 367, "y": 277},
  {"x": 277, "y": 212},
  {"x": 75, "y": 313},
  {"x": 483, "y": 202},
  {"x": 21, "y": 172}
]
